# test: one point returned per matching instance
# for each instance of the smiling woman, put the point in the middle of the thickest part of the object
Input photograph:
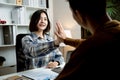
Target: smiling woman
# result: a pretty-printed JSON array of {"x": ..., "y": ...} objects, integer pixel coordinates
[{"x": 39, "y": 47}]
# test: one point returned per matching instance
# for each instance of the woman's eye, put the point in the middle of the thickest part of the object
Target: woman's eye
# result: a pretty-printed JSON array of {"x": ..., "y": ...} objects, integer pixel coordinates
[{"x": 45, "y": 19}]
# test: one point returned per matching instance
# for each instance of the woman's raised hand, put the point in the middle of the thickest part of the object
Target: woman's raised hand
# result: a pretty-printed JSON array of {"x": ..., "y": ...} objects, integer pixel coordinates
[{"x": 59, "y": 32}]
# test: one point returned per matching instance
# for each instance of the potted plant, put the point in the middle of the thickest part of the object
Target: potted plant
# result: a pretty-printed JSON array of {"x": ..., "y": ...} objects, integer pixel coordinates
[{"x": 113, "y": 9}]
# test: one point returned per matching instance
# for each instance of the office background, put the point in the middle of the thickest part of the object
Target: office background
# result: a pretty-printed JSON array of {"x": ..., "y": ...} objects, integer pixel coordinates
[{"x": 59, "y": 11}]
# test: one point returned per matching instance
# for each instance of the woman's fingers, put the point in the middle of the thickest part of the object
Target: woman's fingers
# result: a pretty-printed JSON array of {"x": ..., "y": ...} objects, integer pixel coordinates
[
  {"x": 52, "y": 64},
  {"x": 59, "y": 31}
]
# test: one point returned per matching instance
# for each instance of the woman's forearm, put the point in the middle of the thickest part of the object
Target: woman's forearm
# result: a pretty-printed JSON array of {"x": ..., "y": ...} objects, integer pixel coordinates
[{"x": 73, "y": 42}]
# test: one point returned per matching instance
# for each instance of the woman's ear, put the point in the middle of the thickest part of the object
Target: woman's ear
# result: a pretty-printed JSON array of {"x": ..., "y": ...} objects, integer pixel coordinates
[{"x": 78, "y": 17}]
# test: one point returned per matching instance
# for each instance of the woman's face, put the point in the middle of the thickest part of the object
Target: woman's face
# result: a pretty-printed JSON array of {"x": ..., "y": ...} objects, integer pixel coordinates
[{"x": 43, "y": 22}]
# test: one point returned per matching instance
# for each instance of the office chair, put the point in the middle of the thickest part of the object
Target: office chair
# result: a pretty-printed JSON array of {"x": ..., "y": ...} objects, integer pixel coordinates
[{"x": 20, "y": 57}]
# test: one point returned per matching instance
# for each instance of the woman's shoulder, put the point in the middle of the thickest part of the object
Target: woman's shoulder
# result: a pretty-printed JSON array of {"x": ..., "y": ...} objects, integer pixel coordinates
[{"x": 28, "y": 36}]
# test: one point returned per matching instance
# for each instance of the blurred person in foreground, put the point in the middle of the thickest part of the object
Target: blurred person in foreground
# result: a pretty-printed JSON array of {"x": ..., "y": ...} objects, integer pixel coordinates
[{"x": 98, "y": 56}]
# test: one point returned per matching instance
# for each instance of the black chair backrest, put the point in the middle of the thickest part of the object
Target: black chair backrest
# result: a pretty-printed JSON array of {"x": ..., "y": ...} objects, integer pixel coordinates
[{"x": 20, "y": 57}]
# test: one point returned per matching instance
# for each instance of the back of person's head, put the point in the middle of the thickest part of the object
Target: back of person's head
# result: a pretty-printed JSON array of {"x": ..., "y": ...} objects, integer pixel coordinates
[{"x": 94, "y": 8}]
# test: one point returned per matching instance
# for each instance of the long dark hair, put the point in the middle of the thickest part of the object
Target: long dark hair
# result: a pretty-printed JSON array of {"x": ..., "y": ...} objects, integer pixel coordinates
[{"x": 34, "y": 20}]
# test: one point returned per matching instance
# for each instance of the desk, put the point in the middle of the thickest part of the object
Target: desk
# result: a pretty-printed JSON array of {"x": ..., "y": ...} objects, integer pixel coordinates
[
  {"x": 36, "y": 74},
  {"x": 65, "y": 49}
]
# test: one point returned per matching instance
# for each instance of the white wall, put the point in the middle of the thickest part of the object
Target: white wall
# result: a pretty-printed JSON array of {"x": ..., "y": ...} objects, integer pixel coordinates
[
  {"x": 50, "y": 11},
  {"x": 62, "y": 13}
]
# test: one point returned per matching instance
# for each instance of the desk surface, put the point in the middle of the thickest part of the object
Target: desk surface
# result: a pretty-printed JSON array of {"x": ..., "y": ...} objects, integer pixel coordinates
[{"x": 36, "y": 74}]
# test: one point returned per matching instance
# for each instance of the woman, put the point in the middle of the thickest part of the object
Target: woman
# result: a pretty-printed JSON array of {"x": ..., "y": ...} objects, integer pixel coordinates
[
  {"x": 99, "y": 54},
  {"x": 39, "y": 48}
]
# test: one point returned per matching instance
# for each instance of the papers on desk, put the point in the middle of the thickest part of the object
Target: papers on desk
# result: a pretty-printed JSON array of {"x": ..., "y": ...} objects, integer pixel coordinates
[
  {"x": 16, "y": 77},
  {"x": 34, "y": 74},
  {"x": 40, "y": 74}
]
